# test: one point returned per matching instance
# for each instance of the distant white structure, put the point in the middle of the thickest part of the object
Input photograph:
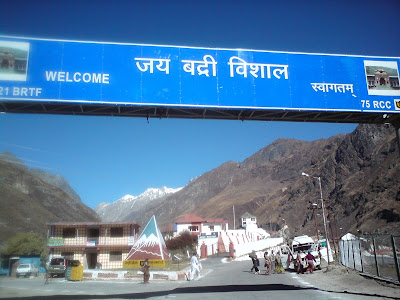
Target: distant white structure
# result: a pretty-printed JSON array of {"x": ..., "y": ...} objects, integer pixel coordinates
[
  {"x": 348, "y": 237},
  {"x": 249, "y": 222},
  {"x": 199, "y": 226}
]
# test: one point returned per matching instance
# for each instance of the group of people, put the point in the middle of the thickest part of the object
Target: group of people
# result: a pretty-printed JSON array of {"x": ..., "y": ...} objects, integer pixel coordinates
[
  {"x": 273, "y": 263},
  {"x": 309, "y": 259}
]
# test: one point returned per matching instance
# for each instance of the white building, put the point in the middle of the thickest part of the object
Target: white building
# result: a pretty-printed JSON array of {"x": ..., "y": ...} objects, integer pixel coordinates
[
  {"x": 199, "y": 226},
  {"x": 248, "y": 222}
]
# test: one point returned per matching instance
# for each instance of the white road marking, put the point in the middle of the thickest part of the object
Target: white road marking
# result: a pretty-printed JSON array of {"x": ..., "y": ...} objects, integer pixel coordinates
[{"x": 305, "y": 283}]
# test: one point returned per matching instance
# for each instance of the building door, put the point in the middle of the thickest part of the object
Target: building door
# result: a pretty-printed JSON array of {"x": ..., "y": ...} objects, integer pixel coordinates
[
  {"x": 91, "y": 260},
  {"x": 14, "y": 266}
]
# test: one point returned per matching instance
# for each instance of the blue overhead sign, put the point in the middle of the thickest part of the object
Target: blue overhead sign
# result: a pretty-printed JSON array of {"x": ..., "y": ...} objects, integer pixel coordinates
[{"x": 131, "y": 74}]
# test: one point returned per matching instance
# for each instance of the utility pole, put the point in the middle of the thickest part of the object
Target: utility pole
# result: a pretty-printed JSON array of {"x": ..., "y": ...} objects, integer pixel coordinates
[
  {"x": 234, "y": 217},
  {"x": 323, "y": 214},
  {"x": 314, "y": 206},
  {"x": 323, "y": 211}
]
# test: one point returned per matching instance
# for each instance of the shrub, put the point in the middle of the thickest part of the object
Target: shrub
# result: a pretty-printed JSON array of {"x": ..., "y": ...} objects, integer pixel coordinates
[{"x": 181, "y": 242}]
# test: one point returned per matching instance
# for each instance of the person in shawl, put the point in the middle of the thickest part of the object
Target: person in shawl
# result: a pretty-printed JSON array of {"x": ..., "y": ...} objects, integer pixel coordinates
[
  {"x": 267, "y": 263},
  {"x": 278, "y": 264},
  {"x": 145, "y": 269}
]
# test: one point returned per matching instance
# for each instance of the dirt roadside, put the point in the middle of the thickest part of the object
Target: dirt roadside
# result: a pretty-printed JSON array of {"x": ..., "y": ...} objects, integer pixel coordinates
[{"x": 343, "y": 280}]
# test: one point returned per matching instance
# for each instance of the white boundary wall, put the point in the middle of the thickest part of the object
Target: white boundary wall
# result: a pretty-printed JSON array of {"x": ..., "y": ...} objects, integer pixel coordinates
[
  {"x": 258, "y": 246},
  {"x": 244, "y": 242}
]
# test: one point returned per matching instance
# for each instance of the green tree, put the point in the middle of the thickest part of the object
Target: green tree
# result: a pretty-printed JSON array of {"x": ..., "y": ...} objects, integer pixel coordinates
[{"x": 26, "y": 243}]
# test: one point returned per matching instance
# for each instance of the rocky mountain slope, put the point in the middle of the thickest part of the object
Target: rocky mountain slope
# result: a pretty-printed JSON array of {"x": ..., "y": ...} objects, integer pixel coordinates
[
  {"x": 57, "y": 181},
  {"x": 27, "y": 201},
  {"x": 360, "y": 178},
  {"x": 129, "y": 207}
]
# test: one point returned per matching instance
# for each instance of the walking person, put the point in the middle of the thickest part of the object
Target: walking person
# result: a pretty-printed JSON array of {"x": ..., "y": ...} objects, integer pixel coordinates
[
  {"x": 298, "y": 264},
  {"x": 267, "y": 263},
  {"x": 47, "y": 275},
  {"x": 145, "y": 269},
  {"x": 195, "y": 267},
  {"x": 252, "y": 256},
  {"x": 256, "y": 264},
  {"x": 272, "y": 262},
  {"x": 290, "y": 258},
  {"x": 278, "y": 264},
  {"x": 310, "y": 262}
]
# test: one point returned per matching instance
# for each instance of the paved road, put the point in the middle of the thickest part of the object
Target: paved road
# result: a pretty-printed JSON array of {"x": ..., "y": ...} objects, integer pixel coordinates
[{"x": 220, "y": 281}]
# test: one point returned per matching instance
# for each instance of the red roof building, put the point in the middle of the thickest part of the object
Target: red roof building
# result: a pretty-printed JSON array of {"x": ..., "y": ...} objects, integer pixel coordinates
[{"x": 199, "y": 226}]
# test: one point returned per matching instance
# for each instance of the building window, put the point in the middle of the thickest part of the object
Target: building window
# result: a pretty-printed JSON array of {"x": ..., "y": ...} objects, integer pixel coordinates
[
  {"x": 116, "y": 232},
  {"x": 253, "y": 219},
  {"x": 212, "y": 228},
  {"x": 115, "y": 255},
  {"x": 194, "y": 228},
  {"x": 244, "y": 222},
  {"x": 68, "y": 255},
  {"x": 69, "y": 233}
]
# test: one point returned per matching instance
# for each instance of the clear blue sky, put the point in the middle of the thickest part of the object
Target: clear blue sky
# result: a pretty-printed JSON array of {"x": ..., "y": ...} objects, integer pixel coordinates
[{"x": 104, "y": 158}]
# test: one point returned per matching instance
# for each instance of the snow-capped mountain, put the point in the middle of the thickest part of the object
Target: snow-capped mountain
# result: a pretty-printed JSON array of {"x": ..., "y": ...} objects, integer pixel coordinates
[
  {"x": 150, "y": 240},
  {"x": 124, "y": 208}
]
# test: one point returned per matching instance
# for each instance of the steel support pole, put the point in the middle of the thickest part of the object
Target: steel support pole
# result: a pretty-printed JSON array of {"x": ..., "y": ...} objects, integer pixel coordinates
[
  {"x": 376, "y": 259},
  {"x": 362, "y": 267},
  {"x": 354, "y": 257},
  {"x": 332, "y": 235},
  {"x": 396, "y": 261},
  {"x": 348, "y": 254},
  {"x": 336, "y": 237}
]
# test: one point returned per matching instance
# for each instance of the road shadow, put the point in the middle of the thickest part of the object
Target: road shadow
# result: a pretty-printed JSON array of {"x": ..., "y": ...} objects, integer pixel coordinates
[
  {"x": 183, "y": 290},
  {"x": 200, "y": 290}
]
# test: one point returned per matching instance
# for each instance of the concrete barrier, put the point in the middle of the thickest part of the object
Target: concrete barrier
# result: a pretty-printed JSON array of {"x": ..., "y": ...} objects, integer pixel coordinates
[{"x": 133, "y": 275}]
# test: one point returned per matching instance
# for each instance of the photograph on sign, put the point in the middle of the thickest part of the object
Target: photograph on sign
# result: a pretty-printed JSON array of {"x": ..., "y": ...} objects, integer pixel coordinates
[
  {"x": 382, "y": 77},
  {"x": 13, "y": 60},
  {"x": 397, "y": 104}
]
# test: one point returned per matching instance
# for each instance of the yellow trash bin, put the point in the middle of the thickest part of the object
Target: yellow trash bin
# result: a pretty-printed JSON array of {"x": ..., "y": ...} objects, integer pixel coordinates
[{"x": 77, "y": 273}]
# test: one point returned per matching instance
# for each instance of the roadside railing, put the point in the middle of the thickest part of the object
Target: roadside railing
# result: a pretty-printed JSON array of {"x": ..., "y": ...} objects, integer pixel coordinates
[{"x": 376, "y": 256}]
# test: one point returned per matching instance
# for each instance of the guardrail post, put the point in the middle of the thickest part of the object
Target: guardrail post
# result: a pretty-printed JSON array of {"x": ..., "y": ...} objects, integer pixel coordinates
[
  {"x": 362, "y": 267},
  {"x": 354, "y": 258},
  {"x": 376, "y": 260},
  {"x": 396, "y": 261}
]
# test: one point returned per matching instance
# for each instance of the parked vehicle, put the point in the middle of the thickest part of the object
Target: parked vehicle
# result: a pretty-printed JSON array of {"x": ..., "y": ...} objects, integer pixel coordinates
[
  {"x": 27, "y": 270},
  {"x": 303, "y": 244},
  {"x": 57, "y": 266}
]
